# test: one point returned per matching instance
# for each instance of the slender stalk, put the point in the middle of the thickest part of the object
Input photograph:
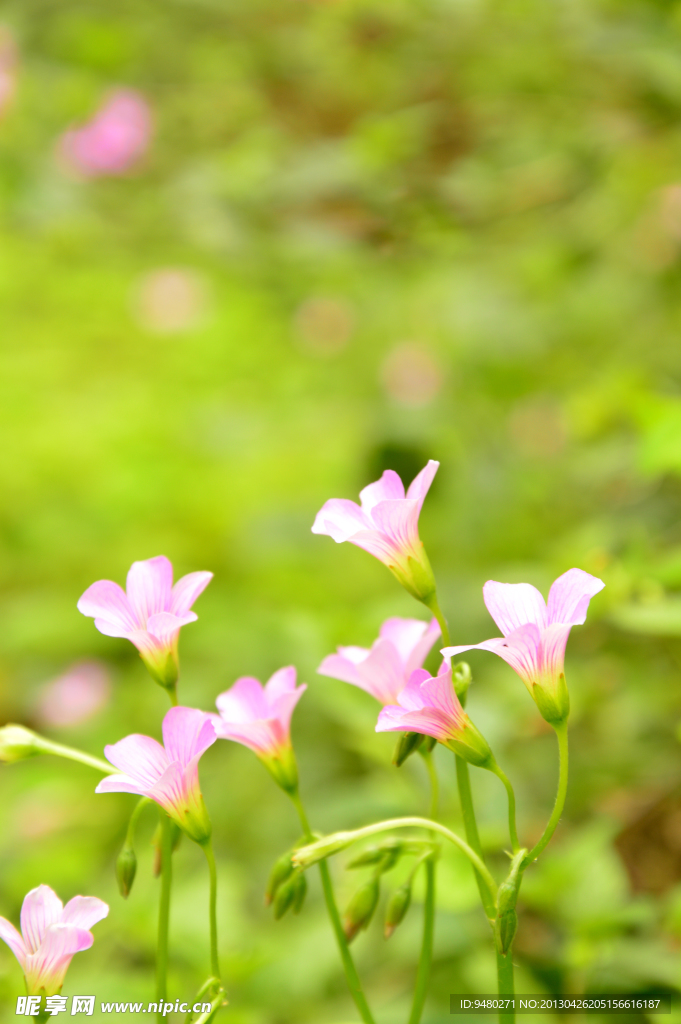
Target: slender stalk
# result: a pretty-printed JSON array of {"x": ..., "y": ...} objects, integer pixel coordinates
[
  {"x": 505, "y": 984},
  {"x": 172, "y": 693},
  {"x": 164, "y": 910},
  {"x": 351, "y": 975},
  {"x": 434, "y": 606},
  {"x": 562, "y": 735},
  {"x": 425, "y": 960},
  {"x": 471, "y": 828},
  {"x": 134, "y": 818},
  {"x": 511, "y": 806},
  {"x": 49, "y": 747},
  {"x": 214, "y": 965},
  {"x": 218, "y": 1001},
  {"x": 307, "y": 855}
]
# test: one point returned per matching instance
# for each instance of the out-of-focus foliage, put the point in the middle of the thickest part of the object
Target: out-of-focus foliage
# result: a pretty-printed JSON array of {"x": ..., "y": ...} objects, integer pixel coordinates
[{"x": 367, "y": 232}]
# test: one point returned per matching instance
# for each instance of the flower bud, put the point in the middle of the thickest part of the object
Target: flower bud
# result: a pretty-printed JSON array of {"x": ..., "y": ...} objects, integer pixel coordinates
[
  {"x": 18, "y": 743},
  {"x": 285, "y": 897},
  {"x": 406, "y": 745},
  {"x": 361, "y": 909},
  {"x": 507, "y": 919},
  {"x": 387, "y": 851},
  {"x": 300, "y": 887},
  {"x": 126, "y": 868},
  {"x": 281, "y": 870},
  {"x": 462, "y": 677},
  {"x": 397, "y": 907}
]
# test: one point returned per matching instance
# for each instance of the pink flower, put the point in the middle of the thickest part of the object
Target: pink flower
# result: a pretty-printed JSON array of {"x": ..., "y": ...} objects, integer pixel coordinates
[
  {"x": 384, "y": 671},
  {"x": 8, "y": 69},
  {"x": 77, "y": 695},
  {"x": 535, "y": 634},
  {"x": 114, "y": 140},
  {"x": 430, "y": 706},
  {"x": 387, "y": 526},
  {"x": 260, "y": 717},
  {"x": 150, "y": 614},
  {"x": 51, "y": 934},
  {"x": 169, "y": 774}
]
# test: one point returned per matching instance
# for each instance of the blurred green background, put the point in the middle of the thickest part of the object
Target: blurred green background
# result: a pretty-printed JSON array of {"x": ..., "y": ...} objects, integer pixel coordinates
[{"x": 366, "y": 233}]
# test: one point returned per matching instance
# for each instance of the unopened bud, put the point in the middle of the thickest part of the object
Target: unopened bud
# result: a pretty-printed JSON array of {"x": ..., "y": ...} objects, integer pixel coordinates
[
  {"x": 428, "y": 745},
  {"x": 396, "y": 910},
  {"x": 506, "y": 928},
  {"x": 462, "y": 677},
  {"x": 300, "y": 886},
  {"x": 126, "y": 868},
  {"x": 281, "y": 870},
  {"x": 507, "y": 896},
  {"x": 361, "y": 909},
  {"x": 18, "y": 743},
  {"x": 406, "y": 745},
  {"x": 285, "y": 897},
  {"x": 387, "y": 851}
]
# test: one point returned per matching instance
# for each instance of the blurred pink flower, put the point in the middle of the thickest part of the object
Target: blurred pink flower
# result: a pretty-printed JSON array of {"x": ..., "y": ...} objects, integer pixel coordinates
[
  {"x": 51, "y": 934},
  {"x": 150, "y": 614},
  {"x": 430, "y": 705},
  {"x": 260, "y": 717},
  {"x": 385, "y": 670},
  {"x": 387, "y": 526},
  {"x": 114, "y": 140},
  {"x": 77, "y": 695},
  {"x": 168, "y": 774},
  {"x": 535, "y": 634},
  {"x": 8, "y": 68}
]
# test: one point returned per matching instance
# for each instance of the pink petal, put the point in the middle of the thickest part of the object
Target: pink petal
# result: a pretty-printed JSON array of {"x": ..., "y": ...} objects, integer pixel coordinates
[
  {"x": 552, "y": 653},
  {"x": 264, "y": 737},
  {"x": 377, "y": 544},
  {"x": 187, "y": 733},
  {"x": 139, "y": 757},
  {"x": 429, "y": 721},
  {"x": 149, "y": 585},
  {"x": 420, "y": 485},
  {"x": 412, "y": 638},
  {"x": 411, "y": 698},
  {"x": 570, "y": 594},
  {"x": 41, "y": 908},
  {"x": 177, "y": 787},
  {"x": 46, "y": 969},
  {"x": 12, "y": 937},
  {"x": 121, "y": 784},
  {"x": 340, "y": 519},
  {"x": 244, "y": 702},
  {"x": 382, "y": 673},
  {"x": 282, "y": 708},
  {"x": 84, "y": 911},
  {"x": 520, "y": 650},
  {"x": 282, "y": 682},
  {"x": 186, "y": 591},
  {"x": 439, "y": 693},
  {"x": 514, "y": 604},
  {"x": 343, "y": 665},
  {"x": 398, "y": 521},
  {"x": 388, "y": 487},
  {"x": 164, "y": 626},
  {"x": 109, "y": 606}
]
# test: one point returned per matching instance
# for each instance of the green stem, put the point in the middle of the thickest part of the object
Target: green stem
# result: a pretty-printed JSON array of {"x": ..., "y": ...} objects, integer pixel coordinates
[
  {"x": 425, "y": 960},
  {"x": 434, "y": 782},
  {"x": 49, "y": 747},
  {"x": 134, "y": 818},
  {"x": 215, "y": 1005},
  {"x": 511, "y": 806},
  {"x": 164, "y": 909},
  {"x": 471, "y": 828},
  {"x": 562, "y": 735},
  {"x": 326, "y": 847},
  {"x": 214, "y": 965},
  {"x": 351, "y": 975},
  {"x": 434, "y": 606},
  {"x": 172, "y": 693},
  {"x": 505, "y": 984}
]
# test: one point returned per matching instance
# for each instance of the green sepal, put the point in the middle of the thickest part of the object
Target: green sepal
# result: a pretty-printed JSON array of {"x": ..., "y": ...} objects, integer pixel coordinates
[
  {"x": 360, "y": 909},
  {"x": 397, "y": 908}
]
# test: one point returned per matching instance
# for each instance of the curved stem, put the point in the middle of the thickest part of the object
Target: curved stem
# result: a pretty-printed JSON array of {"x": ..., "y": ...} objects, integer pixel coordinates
[
  {"x": 307, "y": 855},
  {"x": 425, "y": 960},
  {"x": 60, "y": 750},
  {"x": 562, "y": 735},
  {"x": 505, "y": 984},
  {"x": 471, "y": 828},
  {"x": 164, "y": 909},
  {"x": 214, "y": 965},
  {"x": 134, "y": 818},
  {"x": 434, "y": 606},
  {"x": 511, "y": 806},
  {"x": 351, "y": 975},
  {"x": 217, "y": 1002}
]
